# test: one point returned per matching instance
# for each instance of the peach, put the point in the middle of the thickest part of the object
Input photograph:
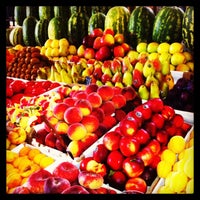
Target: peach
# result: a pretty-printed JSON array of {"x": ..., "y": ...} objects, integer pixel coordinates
[
  {"x": 73, "y": 115},
  {"x": 126, "y": 47},
  {"x": 61, "y": 127},
  {"x": 17, "y": 135},
  {"x": 24, "y": 151},
  {"x": 59, "y": 109},
  {"x": 21, "y": 190},
  {"x": 29, "y": 169},
  {"x": 90, "y": 180},
  {"x": 95, "y": 99},
  {"x": 119, "y": 101},
  {"x": 84, "y": 105},
  {"x": 108, "y": 107},
  {"x": 32, "y": 153},
  {"x": 88, "y": 140},
  {"x": 109, "y": 121},
  {"x": 75, "y": 147},
  {"x": 107, "y": 40},
  {"x": 91, "y": 88},
  {"x": 52, "y": 121},
  {"x": 99, "y": 113},
  {"x": 69, "y": 101},
  {"x": 76, "y": 131},
  {"x": 13, "y": 180},
  {"x": 129, "y": 93},
  {"x": 75, "y": 189},
  {"x": 106, "y": 92},
  {"x": 90, "y": 122},
  {"x": 119, "y": 114},
  {"x": 79, "y": 94}
]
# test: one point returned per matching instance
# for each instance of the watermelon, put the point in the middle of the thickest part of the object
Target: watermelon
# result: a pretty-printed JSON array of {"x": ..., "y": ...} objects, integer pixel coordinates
[
  {"x": 41, "y": 31},
  {"x": 78, "y": 27},
  {"x": 46, "y": 12},
  {"x": 32, "y": 11},
  {"x": 62, "y": 11},
  {"x": 140, "y": 25},
  {"x": 8, "y": 30},
  {"x": 28, "y": 32},
  {"x": 188, "y": 28},
  {"x": 117, "y": 19},
  {"x": 96, "y": 21},
  {"x": 168, "y": 25},
  {"x": 15, "y": 36},
  {"x": 19, "y": 14},
  {"x": 57, "y": 28}
]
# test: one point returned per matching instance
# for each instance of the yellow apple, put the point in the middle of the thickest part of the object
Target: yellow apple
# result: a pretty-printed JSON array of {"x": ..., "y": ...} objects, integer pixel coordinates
[
  {"x": 178, "y": 58},
  {"x": 141, "y": 47},
  {"x": 163, "y": 47},
  {"x": 152, "y": 47},
  {"x": 175, "y": 47}
]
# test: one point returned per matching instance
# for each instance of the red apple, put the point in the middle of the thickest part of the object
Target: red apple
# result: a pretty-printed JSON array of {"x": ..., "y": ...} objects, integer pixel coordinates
[
  {"x": 106, "y": 92},
  {"x": 107, "y": 40},
  {"x": 126, "y": 47},
  {"x": 97, "y": 32},
  {"x": 109, "y": 121},
  {"x": 128, "y": 146},
  {"x": 35, "y": 182},
  {"x": 21, "y": 190},
  {"x": 100, "y": 153},
  {"x": 95, "y": 99},
  {"x": 162, "y": 137},
  {"x": 168, "y": 112},
  {"x": 89, "y": 53},
  {"x": 99, "y": 113},
  {"x": 84, "y": 105},
  {"x": 156, "y": 104},
  {"x": 40, "y": 135},
  {"x": 114, "y": 160},
  {"x": 56, "y": 185},
  {"x": 50, "y": 139},
  {"x": 128, "y": 126},
  {"x": 111, "y": 140},
  {"x": 118, "y": 51},
  {"x": 158, "y": 119},
  {"x": 116, "y": 65},
  {"x": 90, "y": 122},
  {"x": 88, "y": 41},
  {"x": 178, "y": 120},
  {"x": 60, "y": 144},
  {"x": 119, "y": 115},
  {"x": 61, "y": 128},
  {"x": 97, "y": 43},
  {"x": 66, "y": 170},
  {"x": 137, "y": 115},
  {"x": 146, "y": 154},
  {"x": 59, "y": 110},
  {"x": 108, "y": 107},
  {"x": 119, "y": 38},
  {"x": 103, "y": 53},
  {"x": 142, "y": 136},
  {"x": 90, "y": 180},
  {"x": 76, "y": 131},
  {"x": 109, "y": 31},
  {"x": 97, "y": 73},
  {"x": 73, "y": 115},
  {"x": 75, "y": 189}
]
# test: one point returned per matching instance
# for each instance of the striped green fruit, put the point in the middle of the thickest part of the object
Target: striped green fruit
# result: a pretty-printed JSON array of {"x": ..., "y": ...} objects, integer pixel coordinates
[
  {"x": 46, "y": 12},
  {"x": 188, "y": 28},
  {"x": 96, "y": 21},
  {"x": 15, "y": 36},
  {"x": 19, "y": 14},
  {"x": 140, "y": 25},
  {"x": 117, "y": 19},
  {"x": 168, "y": 25}
]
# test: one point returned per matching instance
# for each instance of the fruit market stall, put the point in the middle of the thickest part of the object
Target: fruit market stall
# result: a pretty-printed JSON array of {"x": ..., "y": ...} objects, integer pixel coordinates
[{"x": 105, "y": 110}]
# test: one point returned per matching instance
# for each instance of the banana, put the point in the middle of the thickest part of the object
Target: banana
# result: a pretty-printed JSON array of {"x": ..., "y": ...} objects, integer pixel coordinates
[
  {"x": 75, "y": 73},
  {"x": 42, "y": 73},
  {"x": 65, "y": 66},
  {"x": 57, "y": 76},
  {"x": 48, "y": 72},
  {"x": 58, "y": 66},
  {"x": 65, "y": 78},
  {"x": 52, "y": 74}
]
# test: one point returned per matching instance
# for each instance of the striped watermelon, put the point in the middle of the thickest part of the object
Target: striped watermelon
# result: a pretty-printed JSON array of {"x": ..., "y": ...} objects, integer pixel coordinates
[
  {"x": 41, "y": 31},
  {"x": 188, "y": 28},
  {"x": 117, "y": 18},
  {"x": 46, "y": 12},
  {"x": 140, "y": 25},
  {"x": 16, "y": 36},
  {"x": 168, "y": 25},
  {"x": 96, "y": 21},
  {"x": 19, "y": 14}
]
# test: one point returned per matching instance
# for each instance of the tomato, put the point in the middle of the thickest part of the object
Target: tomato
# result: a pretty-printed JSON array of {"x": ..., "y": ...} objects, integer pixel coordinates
[
  {"x": 136, "y": 184},
  {"x": 111, "y": 140},
  {"x": 100, "y": 153},
  {"x": 128, "y": 146},
  {"x": 115, "y": 160},
  {"x": 133, "y": 166}
]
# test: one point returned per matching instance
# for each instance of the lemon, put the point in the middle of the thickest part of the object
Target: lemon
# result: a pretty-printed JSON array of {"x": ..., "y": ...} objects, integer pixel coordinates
[
  {"x": 168, "y": 156},
  {"x": 63, "y": 42},
  {"x": 48, "y": 52},
  {"x": 175, "y": 47},
  {"x": 178, "y": 181},
  {"x": 48, "y": 43},
  {"x": 190, "y": 187},
  {"x": 176, "y": 144},
  {"x": 165, "y": 190},
  {"x": 10, "y": 156},
  {"x": 43, "y": 50},
  {"x": 179, "y": 165},
  {"x": 168, "y": 179},
  {"x": 163, "y": 47},
  {"x": 55, "y": 43},
  {"x": 163, "y": 169},
  {"x": 141, "y": 47},
  {"x": 55, "y": 52},
  {"x": 72, "y": 49},
  {"x": 189, "y": 168},
  {"x": 153, "y": 56}
]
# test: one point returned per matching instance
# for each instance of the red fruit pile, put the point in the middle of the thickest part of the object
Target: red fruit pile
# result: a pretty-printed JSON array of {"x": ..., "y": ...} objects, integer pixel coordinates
[{"x": 128, "y": 155}]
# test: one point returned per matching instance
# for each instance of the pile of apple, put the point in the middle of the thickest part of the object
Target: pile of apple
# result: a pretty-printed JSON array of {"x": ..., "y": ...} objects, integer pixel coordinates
[
  {"x": 17, "y": 88},
  {"x": 127, "y": 155}
]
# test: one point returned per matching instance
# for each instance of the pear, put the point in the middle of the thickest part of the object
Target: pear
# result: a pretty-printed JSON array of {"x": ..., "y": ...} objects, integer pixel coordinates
[
  {"x": 148, "y": 68},
  {"x": 154, "y": 90},
  {"x": 119, "y": 84},
  {"x": 151, "y": 78},
  {"x": 164, "y": 90},
  {"x": 117, "y": 77},
  {"x": 137, "y": 78},
  {"x": 139, "y": 66},
  {"x": 159, "y": 76},
  {"x": 127, "y": 78},
  {"x": 143, "y": 92},
  {"x": 126, "y": 65},
  {"x": 165, "y": 67}
]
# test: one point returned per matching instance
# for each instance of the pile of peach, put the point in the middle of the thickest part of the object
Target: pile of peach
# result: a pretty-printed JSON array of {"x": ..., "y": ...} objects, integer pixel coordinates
[{"x": 19, "y": 166}]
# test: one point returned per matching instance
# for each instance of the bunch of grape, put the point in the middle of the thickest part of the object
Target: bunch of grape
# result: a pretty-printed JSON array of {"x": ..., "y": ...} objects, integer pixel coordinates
[{"x": 180, "y": 97}]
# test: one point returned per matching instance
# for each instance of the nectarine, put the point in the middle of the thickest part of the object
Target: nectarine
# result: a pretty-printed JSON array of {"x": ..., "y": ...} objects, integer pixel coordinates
[
  {"x": 90, "y": 122},
  {"x": 106, "y": 92},
  {"x": 95, "y": 99},
  {"x": 76, "y": 131},
  {"x": 84, "y": 105},
  {"x": 73, "y": 115},
  {"x": 59, "y": 109}
]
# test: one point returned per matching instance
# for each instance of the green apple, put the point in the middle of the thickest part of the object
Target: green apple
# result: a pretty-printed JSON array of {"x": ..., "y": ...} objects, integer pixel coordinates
[
  {"x": 141, "y": 47},
  {"x": 163, "y": 47},
  {"x": 152, "y": 47}
]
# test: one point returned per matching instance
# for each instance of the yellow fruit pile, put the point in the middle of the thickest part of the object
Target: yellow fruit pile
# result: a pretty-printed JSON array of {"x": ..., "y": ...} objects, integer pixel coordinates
[
  {"x": 54, "y": 48},
  {"x": 177, "y": 166},
  {"x": 19, "y": 166}
]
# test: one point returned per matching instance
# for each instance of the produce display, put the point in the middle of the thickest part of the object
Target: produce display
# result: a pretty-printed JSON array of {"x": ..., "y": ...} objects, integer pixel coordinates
[{"x": 99, "y": 100}]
